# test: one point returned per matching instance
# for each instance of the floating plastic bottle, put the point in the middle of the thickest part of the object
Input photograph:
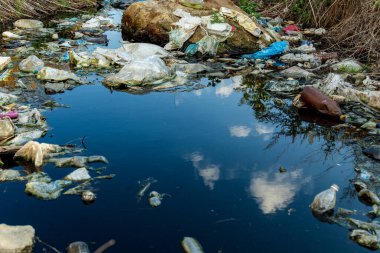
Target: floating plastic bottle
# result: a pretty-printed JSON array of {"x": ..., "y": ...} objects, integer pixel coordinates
[
  {"x": 325, "y": 201},
  {"x": 78, "y": 247}
]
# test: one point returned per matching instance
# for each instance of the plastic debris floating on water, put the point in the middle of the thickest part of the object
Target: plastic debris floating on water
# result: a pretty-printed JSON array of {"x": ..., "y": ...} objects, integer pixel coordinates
[
  {"x": 6, "y": 99},
  {"x": 52, "y": 74},
  {"x": 365, "y": 238},
  {"x": 88, "y": 196},
  {"x": 47, "y": 191},
  {"x": 275, "y": 48},
  {"x": 35, "y": 152},
  {"x": 7, "y": 129},
  {"x": 191, "y": 245},
  {"x": 314, "y": 98},
  {"x": 144, "y": 187},
  {"x": 23, "y": 138},
  {"x": 9, "y": 175},
  {"x": 149, "y": 71},
  {"x": 11, "y": 115},
  {"x": 155, "y": 198},
  {"x": 77, "y": 161},
  {"x": 369, "y": 197},
  {"x": 80, "y": 174},
  {"x": 79, "y": 189},
  {"x": 128, "y": 52},
  {"x": 325, "y": 201},
  {"x": 31, "y": 64},
  {"x": 78, "y": 247},
  {"x": 32, "y": 118}
]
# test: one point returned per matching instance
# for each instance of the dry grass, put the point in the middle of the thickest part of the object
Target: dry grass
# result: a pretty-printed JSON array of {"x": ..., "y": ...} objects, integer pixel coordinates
[
  {"x": 11, "y": 10},
  {"x": 353, "y": 25}
]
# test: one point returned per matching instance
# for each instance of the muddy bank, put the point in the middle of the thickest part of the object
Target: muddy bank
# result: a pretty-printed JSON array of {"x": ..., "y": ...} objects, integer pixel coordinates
[{"x": 13, "y": 10}]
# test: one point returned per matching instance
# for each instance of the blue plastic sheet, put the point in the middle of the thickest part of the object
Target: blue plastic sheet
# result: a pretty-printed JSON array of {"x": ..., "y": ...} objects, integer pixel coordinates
[{"x": 275, "y": 48}]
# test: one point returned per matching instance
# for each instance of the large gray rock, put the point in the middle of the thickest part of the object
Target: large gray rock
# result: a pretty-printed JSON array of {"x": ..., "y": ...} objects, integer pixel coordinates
[{"x": 16, "y": 239}]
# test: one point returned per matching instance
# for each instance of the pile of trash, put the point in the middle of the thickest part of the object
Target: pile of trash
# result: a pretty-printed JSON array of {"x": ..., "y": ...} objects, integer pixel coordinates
[
  {"x": 154, "y": 198},
  {"x": 34, "y": 156},
  {"x": 28, "y": 74},
  {"x": 218, "y": 27},
  {"x": 364, "y": 233},
  {"x": 193, "y": 39}
]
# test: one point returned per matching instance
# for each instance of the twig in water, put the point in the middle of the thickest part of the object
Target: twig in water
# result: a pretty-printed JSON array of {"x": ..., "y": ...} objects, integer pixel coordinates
[
  {"x": 83, "y": 145},
  {"x": 105, "y": 246},
  {"x": 47, "y": 245}
]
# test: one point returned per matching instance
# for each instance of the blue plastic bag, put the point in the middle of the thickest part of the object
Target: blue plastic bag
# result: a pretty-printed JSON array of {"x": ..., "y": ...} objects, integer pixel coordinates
[
  {"x": 192, "y": 49},
  {"x": 275, "y": 48},
  {"x": 306, "y": 42}
]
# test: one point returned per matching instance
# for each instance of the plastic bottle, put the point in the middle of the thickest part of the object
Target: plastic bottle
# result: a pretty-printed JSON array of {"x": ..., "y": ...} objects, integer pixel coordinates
[
  {"x": 78, "y": 247},
  {"x": 325, "y": 201}
]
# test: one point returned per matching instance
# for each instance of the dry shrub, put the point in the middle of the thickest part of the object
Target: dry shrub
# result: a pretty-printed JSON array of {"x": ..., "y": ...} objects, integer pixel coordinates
[
  {"x": 353, "y": 25},
  {"x": 11, "y": 10}
]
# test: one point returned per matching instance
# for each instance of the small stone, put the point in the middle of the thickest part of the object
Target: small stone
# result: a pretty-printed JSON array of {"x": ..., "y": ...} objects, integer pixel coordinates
[
  {"x": 16, "y": 239},
  {"x": 55, "y": 36}
]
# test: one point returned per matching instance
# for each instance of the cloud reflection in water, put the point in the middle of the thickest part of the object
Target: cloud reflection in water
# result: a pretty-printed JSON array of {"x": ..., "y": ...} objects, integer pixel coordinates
[
  {"x": 275, "y": 191},
  {"x": 240, "y": 131},
  {"x": 227, "y": 86},
  {"x": 210, "y": 173}
]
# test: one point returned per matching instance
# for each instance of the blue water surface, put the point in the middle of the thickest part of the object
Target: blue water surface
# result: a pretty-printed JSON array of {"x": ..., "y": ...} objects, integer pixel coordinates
[{"x": 209, "y": 153}]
